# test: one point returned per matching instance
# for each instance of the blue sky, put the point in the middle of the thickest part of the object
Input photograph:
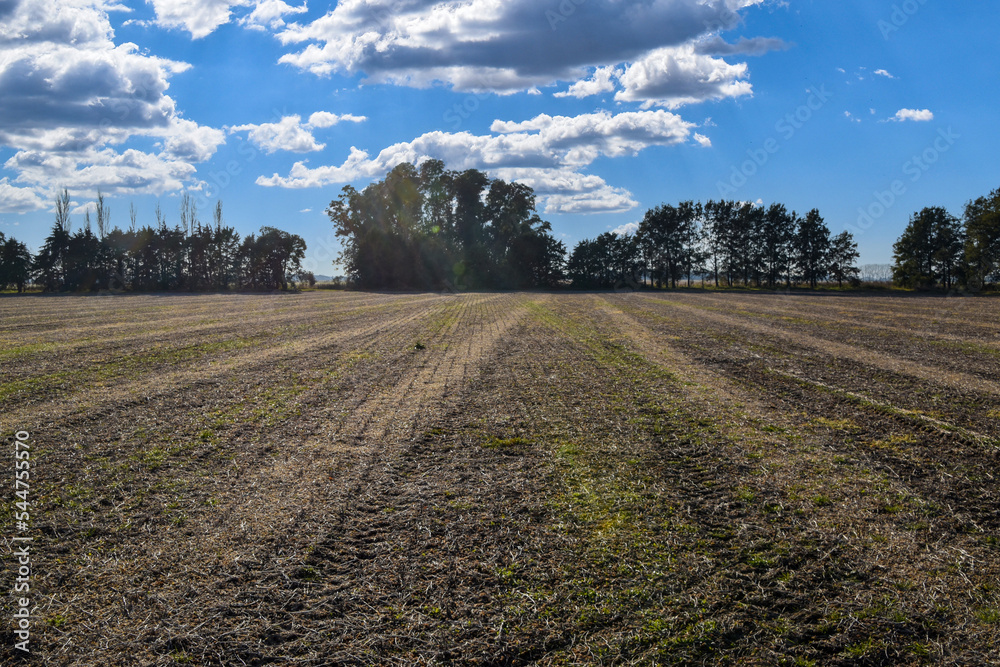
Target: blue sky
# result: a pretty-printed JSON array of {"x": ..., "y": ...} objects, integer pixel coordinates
[{"x": 868, "y": 111}]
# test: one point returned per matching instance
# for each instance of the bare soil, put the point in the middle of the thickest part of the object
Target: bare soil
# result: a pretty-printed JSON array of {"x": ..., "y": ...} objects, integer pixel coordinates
[{"x": 653, "y": 478}]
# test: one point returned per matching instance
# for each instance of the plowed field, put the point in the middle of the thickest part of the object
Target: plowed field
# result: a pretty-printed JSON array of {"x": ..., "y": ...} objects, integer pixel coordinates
[{"x": 653, "y": 478}]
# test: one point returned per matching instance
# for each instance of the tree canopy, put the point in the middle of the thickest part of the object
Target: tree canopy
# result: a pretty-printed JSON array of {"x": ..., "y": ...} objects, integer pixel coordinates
[
  {"x": 430, "y": 228},
  {"x": 729, "y": 242}
]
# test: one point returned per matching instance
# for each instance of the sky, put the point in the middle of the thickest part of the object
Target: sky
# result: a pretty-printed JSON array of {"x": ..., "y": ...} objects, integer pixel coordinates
[{"x": 866, "y": 110}]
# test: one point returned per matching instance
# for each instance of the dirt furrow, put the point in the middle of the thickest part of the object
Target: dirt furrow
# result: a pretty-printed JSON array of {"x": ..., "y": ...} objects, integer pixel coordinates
[{"x": 872, "y": 359}]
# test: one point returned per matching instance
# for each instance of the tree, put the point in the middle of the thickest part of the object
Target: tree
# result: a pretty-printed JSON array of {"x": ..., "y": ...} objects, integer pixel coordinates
[
  {"x": 982, "y": 232},
  {"x": 929, "y": 250},
  {"x": 777, "y": 233},
  {"x": 51, "y": 262},
  {"x": 15, "y": 264},
  {"x": 812, "y": 243},
  {"x": 430, "y": 228},
  {"x": 843, "y": 257},
  {"x": 668, "y": 237},
  {"x": 271, "y": 260}
]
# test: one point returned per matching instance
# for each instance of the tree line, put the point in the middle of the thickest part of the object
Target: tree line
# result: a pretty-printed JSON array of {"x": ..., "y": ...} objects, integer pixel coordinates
[
  {"x": 428, "y": 227},
  {"x": 728, "y": 242},
  {"x": 939, "y": 249},
  {"x": 190, "y": 256}
]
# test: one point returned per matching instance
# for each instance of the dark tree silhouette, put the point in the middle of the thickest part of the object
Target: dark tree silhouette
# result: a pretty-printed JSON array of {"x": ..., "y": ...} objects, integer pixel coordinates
[
  {"x": 982, "y": 247},
  {"x": 15, "y": 264},
  {"x": 842, "y": 259},
  {"x": 929, "y": 251},
  {"x": 812, "y": 246}
]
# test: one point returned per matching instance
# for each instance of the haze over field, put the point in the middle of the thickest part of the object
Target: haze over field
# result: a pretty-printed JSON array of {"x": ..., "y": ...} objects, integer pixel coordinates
[{"x": 868, "y": 111}]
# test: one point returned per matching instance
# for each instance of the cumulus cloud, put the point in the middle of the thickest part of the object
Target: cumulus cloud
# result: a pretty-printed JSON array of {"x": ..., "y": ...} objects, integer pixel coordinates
[
  {"x": 546, "y": 152},
  {"x": 673, "y": 77},
  {"x": 291, "y": 134},
  {"x": 702, "y": 140},
  {"x": 68, "y": 93},
  {"x": 885, "y": 73},
  {"x": 288, "y": 134},
  {"x": 129, "y": 172},
  {"x": 322, "y": 119},
  {"x": 916, "y": 115},
  {"x": 601, "y": 82},
  {"x": 186, "y": 140},
  {"x": 270, "y": 15},
  {"x": 475, "y": 45},
  {"x": 199, "y": 18},
  {"x": 18, "y": 200}
]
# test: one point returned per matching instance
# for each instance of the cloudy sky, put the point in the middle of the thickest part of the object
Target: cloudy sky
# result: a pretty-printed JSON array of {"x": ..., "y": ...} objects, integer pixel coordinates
[{"x": 867, "y": 109}]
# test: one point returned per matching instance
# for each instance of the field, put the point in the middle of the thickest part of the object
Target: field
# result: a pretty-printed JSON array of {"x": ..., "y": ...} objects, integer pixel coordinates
[{"x": 651, "y": 478}]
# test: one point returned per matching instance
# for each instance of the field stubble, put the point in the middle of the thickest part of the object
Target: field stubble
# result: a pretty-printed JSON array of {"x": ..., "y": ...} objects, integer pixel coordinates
[{"x": 344, "y": 478}]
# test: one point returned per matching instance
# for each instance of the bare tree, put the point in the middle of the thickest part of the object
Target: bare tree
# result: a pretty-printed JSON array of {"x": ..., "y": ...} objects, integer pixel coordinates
[
  {"x": 62, "y": 211},
  {"x": 161, "y": 222},
  {"x": 103, "y": 215},
  {"x": 217, "y": 216},
  {"x": 189, "y": 214}
]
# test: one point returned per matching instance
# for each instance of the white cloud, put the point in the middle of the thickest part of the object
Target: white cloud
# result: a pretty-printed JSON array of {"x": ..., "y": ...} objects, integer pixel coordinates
[
  {"x": 291, "y": 134},
  {"x": 186, "y": 140},
  {"x": 114, "y": 173},
  {"x": 545, "y": 152},
  {"x": 288, "y": 134},
  {"x": 18, "y": 200},
  {"x": 916, "y": 115},
  {"x": 322, "y": 119},
  {"x": 601, "y": 82},
  {"x": 626, "y": 230},
  {"x": 703, "y": 140},
  {"x": 270, "y": 15},
  {"x": 673, "y": 77},
  {"x": 568, "y": 191},
  {"x": 501, "y": 46},
  {"x": 851, "y": 117},
  {"x": 885, "y": 73},
  {"x": 68, "y": 93},
  {"x": 198, "y": 17}
]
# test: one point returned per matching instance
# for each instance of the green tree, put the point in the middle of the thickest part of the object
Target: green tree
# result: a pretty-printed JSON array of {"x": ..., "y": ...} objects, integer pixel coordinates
[
  {"x": 812, "y": 244},
  {"x": 669, "y": 238},
  {"x": 777, "y": 234},
  {"x": 15, "y": 264},
  {"x": 843, "y": 258},
  {"x": 52, "y": 260},
  {"x": 271, "y": 260},
  {"x": 929, "y": 250},
  {"x": 430, "y": 227},
  {"x": 982, "y": 232}
]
